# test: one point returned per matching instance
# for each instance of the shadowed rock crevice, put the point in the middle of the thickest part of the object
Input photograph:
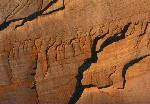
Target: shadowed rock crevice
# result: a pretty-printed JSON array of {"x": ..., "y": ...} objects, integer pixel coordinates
[
  {"x": 58, "y": 9},
  {"x": 87, "y": 63},
  {"x": 39, "y": 13},
  {"x": 114, "y": 38},
  {"x": 33, "y": 16},
  {"x": 144, "y": 28},
  {"x": 130, "y": 64}
]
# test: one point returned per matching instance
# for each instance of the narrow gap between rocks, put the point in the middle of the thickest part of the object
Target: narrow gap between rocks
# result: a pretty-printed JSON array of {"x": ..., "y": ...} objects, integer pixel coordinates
[
  {"x": 93, "y": 59},
  {"x": 31, "y": 17},
  {"x": 130, "y": 64}
]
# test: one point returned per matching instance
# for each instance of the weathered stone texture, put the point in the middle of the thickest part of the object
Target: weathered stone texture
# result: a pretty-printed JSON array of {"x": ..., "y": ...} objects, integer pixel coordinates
[{"x": 74, "y": 51}]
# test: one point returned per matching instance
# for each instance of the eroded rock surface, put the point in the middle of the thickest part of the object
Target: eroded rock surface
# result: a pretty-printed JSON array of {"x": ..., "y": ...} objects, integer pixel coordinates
[{"x": 61, "y": 49}]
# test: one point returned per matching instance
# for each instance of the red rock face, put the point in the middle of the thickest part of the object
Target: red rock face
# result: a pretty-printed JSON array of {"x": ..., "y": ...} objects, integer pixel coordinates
[{"x": 74, "y": 52}]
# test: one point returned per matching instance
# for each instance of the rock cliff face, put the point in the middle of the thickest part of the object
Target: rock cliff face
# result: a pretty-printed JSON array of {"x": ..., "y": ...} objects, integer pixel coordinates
[{"x": 74, "y": 51}]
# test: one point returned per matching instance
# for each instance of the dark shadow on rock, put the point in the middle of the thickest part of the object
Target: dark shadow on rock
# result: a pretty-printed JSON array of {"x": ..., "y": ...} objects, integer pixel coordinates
[
  {"x": 129, "y": 64},
  {"x": 93, "y": 59},
  {"x": 61, "y": 8},
  {"x": 33, "y": 16},
  {"x": 87, "y": 63},
  {"x": 4, "y": 25},
  {"x": 114, "y": 38}
]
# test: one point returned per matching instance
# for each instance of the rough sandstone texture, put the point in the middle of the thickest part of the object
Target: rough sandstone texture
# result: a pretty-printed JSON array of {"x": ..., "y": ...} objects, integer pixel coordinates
[{"x": 74, "y": 51}]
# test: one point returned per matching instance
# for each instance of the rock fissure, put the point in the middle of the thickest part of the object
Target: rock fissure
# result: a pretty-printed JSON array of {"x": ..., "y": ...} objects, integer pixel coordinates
[{"x": 63, "y": 57}]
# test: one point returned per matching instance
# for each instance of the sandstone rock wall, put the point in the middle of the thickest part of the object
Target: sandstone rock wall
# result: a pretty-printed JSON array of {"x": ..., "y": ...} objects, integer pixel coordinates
[{"x": 74, "y": 51}]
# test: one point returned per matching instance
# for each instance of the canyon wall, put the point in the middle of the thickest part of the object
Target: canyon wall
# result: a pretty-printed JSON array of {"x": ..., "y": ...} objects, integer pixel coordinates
[{"x": 74, "y": 51}]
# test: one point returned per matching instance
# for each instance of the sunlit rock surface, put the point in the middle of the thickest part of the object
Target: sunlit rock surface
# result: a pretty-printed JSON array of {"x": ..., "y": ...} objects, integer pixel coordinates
[{"x": 74, "y": 51}]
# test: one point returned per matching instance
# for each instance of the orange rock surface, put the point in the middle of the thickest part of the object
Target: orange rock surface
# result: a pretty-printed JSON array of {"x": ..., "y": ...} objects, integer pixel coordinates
[{"x": 74, "y": 51}]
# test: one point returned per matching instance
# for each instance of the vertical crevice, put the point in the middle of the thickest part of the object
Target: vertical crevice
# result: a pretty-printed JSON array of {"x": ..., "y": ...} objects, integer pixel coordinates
[
  {"x": 34, "y": 87},
  {"x": 144, "y": 28},
  {"x": 93, "y": 59},
  {"x": 130, "y": 64},
  {"x": 87, "y": 63}
]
